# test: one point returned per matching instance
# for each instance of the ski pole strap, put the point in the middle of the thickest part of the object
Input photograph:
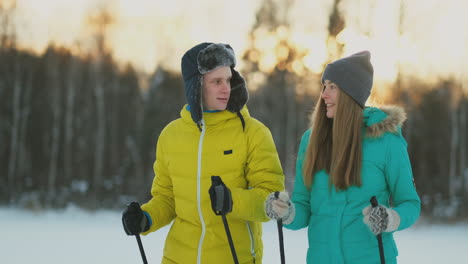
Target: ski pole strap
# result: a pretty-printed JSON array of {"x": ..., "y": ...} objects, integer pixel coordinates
[
  {"x": 142, "y": 251},
  {"x": 229, "y": 237},
  {"x": 374, "y": 204}
]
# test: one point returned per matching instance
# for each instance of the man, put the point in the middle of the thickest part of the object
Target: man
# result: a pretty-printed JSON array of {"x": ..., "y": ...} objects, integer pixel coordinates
[{"x": 214, "y": 136}]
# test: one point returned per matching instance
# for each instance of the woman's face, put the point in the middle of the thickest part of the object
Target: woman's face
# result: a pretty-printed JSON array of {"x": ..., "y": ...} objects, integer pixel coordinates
[{"x": 330, "y": 97}]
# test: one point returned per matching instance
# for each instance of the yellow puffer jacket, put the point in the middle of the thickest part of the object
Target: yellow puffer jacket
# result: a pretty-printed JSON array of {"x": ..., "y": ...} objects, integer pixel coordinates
[{"x": 246, "y": 161}]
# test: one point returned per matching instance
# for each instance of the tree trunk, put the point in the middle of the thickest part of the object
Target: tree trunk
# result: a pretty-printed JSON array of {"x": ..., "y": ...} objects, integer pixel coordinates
[
  {"x": 69, "y": 121},
  {"x": 15, "y": 126},
  {"x": 290, "y": 136},
  {"x": 54, "y": 142},
  {"x": 115, "y": 133},
  {"x": 463, "y": 146},
  {"x": 453, "y": 158},
  {"x": 100, "y": 137},
  {"x": 24, "y": 157}
]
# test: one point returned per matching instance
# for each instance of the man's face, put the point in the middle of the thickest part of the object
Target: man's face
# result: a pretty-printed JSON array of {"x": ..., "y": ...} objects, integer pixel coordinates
[{"x": 217, "y": 88}]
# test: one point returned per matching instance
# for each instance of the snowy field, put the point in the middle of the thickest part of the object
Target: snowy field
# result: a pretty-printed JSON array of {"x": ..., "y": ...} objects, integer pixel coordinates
[{"x": 74, "y": 236}]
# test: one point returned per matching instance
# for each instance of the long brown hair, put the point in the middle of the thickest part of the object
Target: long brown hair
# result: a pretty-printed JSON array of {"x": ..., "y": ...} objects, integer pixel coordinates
[{"x": 335, "y": 145}]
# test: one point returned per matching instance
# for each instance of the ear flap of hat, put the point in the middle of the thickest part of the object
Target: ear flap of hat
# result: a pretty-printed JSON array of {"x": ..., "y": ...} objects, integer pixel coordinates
[
  {"x": 239, "y": 94},
  {"x": 193, "y": 80},
  {"x": 193, "y": 94}
]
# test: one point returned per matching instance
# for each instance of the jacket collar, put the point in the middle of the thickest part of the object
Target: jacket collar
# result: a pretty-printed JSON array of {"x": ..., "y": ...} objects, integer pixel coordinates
[
  {"x": 377, "y": 121},
  {"x": 213, "y": 118}
]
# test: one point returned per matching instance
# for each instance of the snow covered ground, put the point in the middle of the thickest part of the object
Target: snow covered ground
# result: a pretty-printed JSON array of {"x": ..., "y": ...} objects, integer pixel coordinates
[{"x": 74, "y": 236}]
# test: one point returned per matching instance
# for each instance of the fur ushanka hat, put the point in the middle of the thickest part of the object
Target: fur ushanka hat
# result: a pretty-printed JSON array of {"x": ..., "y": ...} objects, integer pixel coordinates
[{"x": 203, "y": 58}]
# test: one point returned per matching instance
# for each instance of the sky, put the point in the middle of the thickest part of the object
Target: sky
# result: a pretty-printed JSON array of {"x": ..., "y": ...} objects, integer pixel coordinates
[
  {"x": 74, "y": 236},
  {"x": 148, "y": 33},
  {"x": 145, "y": 32}
]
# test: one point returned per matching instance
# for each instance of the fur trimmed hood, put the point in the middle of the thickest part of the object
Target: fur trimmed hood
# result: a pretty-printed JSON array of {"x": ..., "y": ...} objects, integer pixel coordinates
[
  {"x": 203, "y": 58},
  {"x": 383, "y": 119}
]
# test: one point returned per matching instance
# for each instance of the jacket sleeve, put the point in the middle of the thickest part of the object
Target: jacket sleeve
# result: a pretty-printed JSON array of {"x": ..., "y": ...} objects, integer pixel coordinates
[
  {"x": 301, "y": 195},
  {"x": 161, "y": 206},
  {"x": 400, "y": 181},
  {"x": 263, "y": 173}
]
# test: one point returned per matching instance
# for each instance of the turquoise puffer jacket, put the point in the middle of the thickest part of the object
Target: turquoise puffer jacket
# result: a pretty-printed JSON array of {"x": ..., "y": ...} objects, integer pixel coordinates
[{"x": 336, "y": 231}]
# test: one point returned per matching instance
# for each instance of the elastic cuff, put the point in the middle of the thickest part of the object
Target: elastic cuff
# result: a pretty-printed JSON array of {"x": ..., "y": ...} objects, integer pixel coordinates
[
  {"x": 149, "y": 221},
  {"x": 393, "y": 220},
  {"x": 289, "y": 218}
]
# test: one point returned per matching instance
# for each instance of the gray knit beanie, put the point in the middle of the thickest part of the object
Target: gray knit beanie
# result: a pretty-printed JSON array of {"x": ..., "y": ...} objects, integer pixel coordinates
[{"x": 353, "y": 75}]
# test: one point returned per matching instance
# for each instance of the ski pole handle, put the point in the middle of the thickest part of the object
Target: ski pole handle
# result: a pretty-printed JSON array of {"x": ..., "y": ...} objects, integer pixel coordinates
[
  {"x": 220, "y": 195},
  {"x": 374, "y": 202},
  {"x": 217, "y": 184}
]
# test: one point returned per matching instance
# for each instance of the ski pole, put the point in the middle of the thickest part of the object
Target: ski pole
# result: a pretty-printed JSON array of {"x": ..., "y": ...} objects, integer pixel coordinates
[
  {"x": 136, "y": 206},
  {"x": 280, "y": 235},
  {"x": 142, "y": 251},
  {"x": 374, "y": 204},
  {"x": 231, "y": 243},
  {"x": 220, "y": 208}
]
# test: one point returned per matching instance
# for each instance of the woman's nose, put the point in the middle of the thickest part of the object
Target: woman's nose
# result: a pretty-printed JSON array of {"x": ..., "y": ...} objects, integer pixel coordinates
[{"x": 324, "y": 94}]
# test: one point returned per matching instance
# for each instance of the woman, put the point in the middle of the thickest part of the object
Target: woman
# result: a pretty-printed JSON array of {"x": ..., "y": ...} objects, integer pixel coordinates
[
  {"x": 350, "y": 154},
  {"x": 215, "y": 136}
]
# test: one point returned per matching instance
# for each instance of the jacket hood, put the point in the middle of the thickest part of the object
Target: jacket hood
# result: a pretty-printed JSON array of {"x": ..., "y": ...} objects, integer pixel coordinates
[{"x": 377, "y": 121}]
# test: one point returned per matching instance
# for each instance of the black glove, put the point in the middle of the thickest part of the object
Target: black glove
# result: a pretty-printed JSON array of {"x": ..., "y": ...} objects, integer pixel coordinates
[
  {"x": 134, "y": 220},
  {"x": 221, "y": 200}
]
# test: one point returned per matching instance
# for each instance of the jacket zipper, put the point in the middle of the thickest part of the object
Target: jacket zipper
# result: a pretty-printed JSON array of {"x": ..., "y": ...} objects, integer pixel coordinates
[
  {"x": 252, "y": 242},
  {"x": 200, "y": 215}
]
